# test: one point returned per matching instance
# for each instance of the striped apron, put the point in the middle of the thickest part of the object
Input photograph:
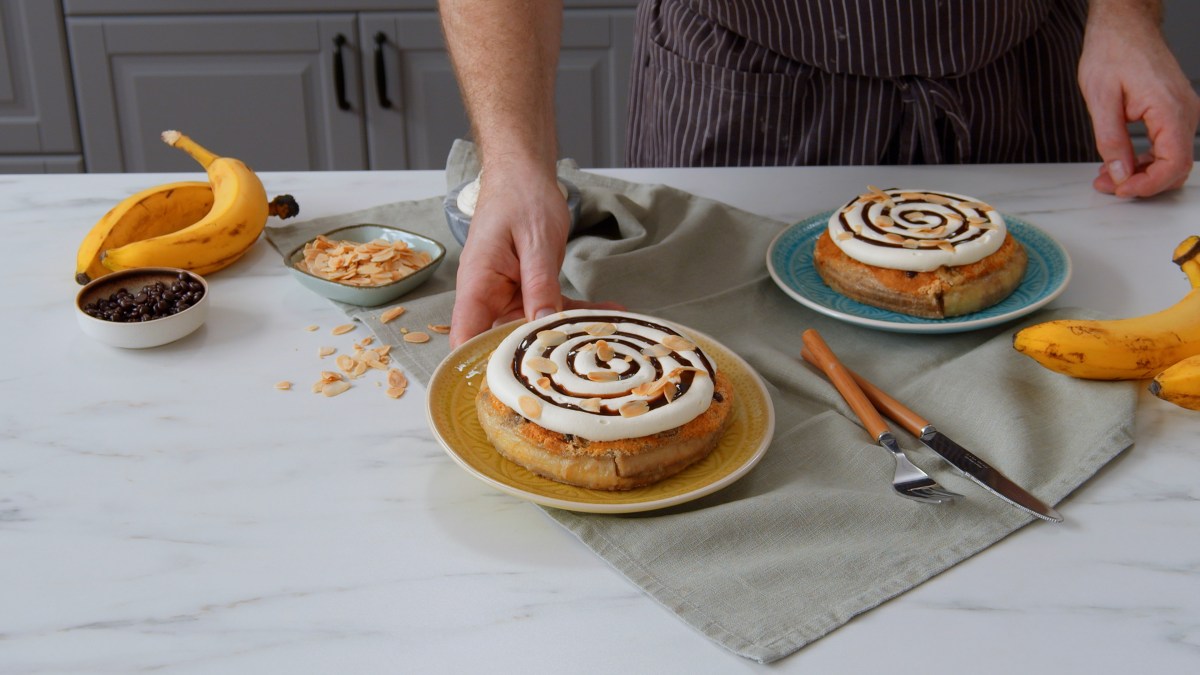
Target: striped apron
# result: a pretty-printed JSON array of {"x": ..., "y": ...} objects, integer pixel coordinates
[{"x": 835, "y": 82}]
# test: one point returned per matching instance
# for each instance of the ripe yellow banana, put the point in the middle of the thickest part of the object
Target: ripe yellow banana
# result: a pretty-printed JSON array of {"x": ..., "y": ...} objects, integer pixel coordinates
[
  {"x": 1179, "y": 384},
  {"x": 149, "y": 213},
  {"x": 1122, "y": 349},
  {"x": 222, "y": 235}
]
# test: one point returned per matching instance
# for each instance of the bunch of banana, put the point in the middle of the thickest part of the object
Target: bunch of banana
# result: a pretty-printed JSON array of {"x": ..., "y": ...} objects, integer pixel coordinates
[
  {"x": 1164, "y": 345},
  {"x": 199, "y": 226}
]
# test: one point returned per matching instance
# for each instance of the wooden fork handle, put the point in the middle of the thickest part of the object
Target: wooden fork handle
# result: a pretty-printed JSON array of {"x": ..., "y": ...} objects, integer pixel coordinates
[
  {"x": 839, "y": 375},
  {"x": 900, "y": 413}
]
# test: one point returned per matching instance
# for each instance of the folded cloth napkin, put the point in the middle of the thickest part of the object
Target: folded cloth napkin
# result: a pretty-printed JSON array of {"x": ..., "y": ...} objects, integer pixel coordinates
[{"x": 813, "y": 535}]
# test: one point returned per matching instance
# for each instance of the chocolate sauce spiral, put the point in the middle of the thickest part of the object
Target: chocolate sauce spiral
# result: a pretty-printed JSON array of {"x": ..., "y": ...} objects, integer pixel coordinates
[
  {"x": 917, "y": 230},
  {"x": 602, "y": 375}
]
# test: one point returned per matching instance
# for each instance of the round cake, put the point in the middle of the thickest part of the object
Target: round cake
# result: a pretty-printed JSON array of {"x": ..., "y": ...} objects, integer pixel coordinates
[
  {"x": 920, "y": 252},
  {"x": 603, "y": 399}
]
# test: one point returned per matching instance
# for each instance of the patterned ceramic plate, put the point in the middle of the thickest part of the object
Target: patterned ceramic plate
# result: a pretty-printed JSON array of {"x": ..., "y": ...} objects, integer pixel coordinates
[
  {"x": 789, "y": 261},
  {"x": 451, "y": 411}
]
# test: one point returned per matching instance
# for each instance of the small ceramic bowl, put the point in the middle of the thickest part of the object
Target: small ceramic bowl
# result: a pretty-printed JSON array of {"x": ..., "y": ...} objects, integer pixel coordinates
[
  {"x": 460, "y": 222},
  {"x": 368, "y": 296},
  {"x": 140, "y": 334}
]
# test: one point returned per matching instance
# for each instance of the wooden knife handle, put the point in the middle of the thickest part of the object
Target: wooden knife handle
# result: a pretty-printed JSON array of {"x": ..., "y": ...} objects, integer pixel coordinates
[
  {"x": 902, "y": 414},
  {"x": 841, "y": 378}
]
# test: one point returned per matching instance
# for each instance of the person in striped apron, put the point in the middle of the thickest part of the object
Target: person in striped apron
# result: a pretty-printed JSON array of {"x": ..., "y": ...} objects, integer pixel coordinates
[{"x": 810, "y": 82}]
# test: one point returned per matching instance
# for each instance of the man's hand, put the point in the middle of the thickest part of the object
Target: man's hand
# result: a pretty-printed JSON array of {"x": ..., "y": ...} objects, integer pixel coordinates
[
  {"x": 510, "y": 264},
  {"x": 1127, "y": 73}
]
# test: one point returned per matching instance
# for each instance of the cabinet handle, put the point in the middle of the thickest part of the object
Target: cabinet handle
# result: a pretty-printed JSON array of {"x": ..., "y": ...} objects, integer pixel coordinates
[
  {"x": 339, "y": 72},
  {"x": 381, "y": 72}
]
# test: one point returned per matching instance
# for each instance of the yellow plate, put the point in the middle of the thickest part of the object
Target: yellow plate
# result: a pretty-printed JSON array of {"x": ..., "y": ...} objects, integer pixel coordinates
[{"x": 451, "y": 411}]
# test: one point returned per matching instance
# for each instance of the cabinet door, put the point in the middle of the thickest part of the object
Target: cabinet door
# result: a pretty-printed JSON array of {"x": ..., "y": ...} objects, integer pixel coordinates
[
  {"x": 260, "y": 88},
  {"x": 414, "y": 123},
  {"x": 36, "y": 109}
]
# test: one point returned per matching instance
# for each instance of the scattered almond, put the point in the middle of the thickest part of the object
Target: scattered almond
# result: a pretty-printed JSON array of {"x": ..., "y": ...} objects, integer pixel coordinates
[
  {"x": 325, "y": 351},
  {"x": 312, "y": 328},
  {"x": 678, "y": 343},
  {"x": 530, "y": 406},
  {"x": 416, "y": 337},
  {"x": 542, "y": 365},
  {"x": 391, "y": 314},
  {"x": 334, "y": 388},
  {"x": 440, "y": 328},
  {"x": 283, "y": 386},
  {"x": 551, "y": 338},
  {"x": 342, "y": 329},
  {"x": 395, "y": 392},
  {"x": 634, "y": 408}
]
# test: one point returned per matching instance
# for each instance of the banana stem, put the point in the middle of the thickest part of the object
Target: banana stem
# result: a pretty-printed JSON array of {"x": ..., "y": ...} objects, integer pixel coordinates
[{"x": 176, "y": 139}]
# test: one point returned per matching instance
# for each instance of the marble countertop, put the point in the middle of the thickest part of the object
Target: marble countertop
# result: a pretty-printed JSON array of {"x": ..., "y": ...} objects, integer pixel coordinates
[{"x": 167, "y": 510}]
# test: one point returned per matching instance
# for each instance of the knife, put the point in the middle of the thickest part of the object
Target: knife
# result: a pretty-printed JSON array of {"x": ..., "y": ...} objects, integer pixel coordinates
[{"x": 969, "y": 464}]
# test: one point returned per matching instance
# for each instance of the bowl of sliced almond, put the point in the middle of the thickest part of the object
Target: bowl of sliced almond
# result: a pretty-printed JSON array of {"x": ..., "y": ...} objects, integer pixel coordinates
[{"x": 365, "y": 264}]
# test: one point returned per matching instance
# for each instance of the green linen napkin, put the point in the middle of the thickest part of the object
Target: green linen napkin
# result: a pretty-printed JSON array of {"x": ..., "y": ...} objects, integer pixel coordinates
[{"x": 813, "y": 535}]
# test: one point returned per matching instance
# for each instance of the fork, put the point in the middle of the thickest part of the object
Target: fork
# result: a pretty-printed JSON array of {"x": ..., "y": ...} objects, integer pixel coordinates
[{"x": 909, "y": 482}]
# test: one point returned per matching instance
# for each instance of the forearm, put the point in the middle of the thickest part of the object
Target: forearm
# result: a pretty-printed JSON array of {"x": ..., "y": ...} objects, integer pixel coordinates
[
  {"x": 1120, "y": 12},
  {"x": 505, "y": 55}
]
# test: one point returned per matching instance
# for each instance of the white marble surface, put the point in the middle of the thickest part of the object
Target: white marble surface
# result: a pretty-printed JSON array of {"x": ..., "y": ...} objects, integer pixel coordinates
[{"x": 167, "y": 510}]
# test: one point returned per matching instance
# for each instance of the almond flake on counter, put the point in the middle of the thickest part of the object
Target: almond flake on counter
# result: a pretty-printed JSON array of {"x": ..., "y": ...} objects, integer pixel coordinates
[
  {"x": 343, "y": 329},
  {"x": 283, "y": 386},
  {"x": 391, "y": 314},
  {"x": 416, "y": 337},
  {"x": 441, "y": 328}
]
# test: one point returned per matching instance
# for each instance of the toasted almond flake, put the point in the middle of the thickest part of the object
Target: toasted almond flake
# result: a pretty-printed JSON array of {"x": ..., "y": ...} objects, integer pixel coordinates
[
  {"x": 395, "y": 378},
  {"x": 416, "y": 337},
  {"x": 395, "y": 392},
  {"x": 590, "y": 404},
  {"x": 883, "y": 221},
  {"x": 343, "y": 329},
  {"x": 946, "y": 246},
  {"x": 334, "y": 388},
  {"x": 976, "y": 220},
  {"x": 542, "y": 365},
  {"x": 283, "y": 386},
  {"x": 345, "y": 362},
  {"x": 530, "y": 406},
  {"x": 384, "y": 350},
  {"x": 910, "y": 243},
  {"x": 894, "y": 238},
  {"x": 312, "y": 328},
  {"x": 367, "y": 341},
  {"x": 551, "y": 338},
  {"x": 604, "y": 351},
  {"x": 602, "y": 376},
  {"x": 440, "y": 328},
  {"x": 678, "y": 343},
  {"x": 330, "y": 376},
  {"x": 843, "y": 236},
  {"x": 391, "y": 314},
  {"x": 669, "y": 393},
  {"x": 601, "y": 329},
  {"x": 634, "y": 408},
  {"x": 543, "y": 382},
  {"x": 656, "y": 351},
  {"x": 325, "y": 351}
]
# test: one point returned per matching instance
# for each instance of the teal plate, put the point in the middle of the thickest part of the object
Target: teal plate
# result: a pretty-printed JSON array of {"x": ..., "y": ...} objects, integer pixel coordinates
[{"x": 789, "y": 261}]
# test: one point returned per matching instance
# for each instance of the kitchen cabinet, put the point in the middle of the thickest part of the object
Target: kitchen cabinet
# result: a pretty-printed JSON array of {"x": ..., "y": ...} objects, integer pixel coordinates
[
  {"x": 314, "y": 90},
  {"x": 37, "y": 112}
]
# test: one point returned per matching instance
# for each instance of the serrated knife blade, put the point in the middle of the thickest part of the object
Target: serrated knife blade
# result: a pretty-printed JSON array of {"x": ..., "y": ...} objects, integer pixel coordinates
[{"x": 966, "y": 462}]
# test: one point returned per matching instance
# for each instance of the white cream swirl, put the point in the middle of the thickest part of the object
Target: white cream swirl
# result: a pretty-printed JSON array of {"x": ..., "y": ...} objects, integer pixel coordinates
[
  {"x": 602, "y": 375},
  {"x": 916, "y": 230}
]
